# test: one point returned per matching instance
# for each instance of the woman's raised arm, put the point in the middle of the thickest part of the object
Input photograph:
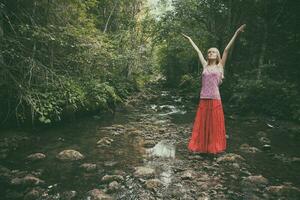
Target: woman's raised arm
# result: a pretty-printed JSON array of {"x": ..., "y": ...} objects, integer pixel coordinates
[
  {"x": 202, "y": 60},
  {"x": 229, "y": 45}
]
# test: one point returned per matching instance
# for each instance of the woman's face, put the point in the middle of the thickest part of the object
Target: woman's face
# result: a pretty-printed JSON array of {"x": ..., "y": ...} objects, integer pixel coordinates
[{"x": 212, "y": 54}]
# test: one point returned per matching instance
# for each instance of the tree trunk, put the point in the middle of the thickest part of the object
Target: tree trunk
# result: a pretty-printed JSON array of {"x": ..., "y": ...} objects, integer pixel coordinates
[
  {"x": 107, "y": 22},
  {"x": 262, "y": 52}
]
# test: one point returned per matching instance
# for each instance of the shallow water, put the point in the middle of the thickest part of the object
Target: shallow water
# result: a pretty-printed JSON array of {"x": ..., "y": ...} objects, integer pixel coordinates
[
  {"x": 127, "y": 149},
  {"x": 81, "y": 136}
]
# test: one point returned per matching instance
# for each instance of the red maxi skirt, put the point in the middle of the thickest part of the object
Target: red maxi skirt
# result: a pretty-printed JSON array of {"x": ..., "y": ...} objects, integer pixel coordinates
[{"x": 208, "y": 135}]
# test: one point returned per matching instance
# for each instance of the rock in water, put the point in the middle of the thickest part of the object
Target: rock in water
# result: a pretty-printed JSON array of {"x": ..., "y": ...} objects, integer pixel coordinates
[
  {"x": 246, "y": 148},
  {"x": 88, "y": 167},
  {"x": 70, "y": 155},
  {"x": 144, "y": 172},
  {"x": 36, "y": 156},
  {"x": 28, "y": 180},
  {"x": 97, "y": 194},
  {"x": 153, "y": 184}
]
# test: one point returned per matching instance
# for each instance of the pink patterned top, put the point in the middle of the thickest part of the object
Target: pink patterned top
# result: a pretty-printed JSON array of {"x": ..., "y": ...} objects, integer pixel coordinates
[{"x": 211, "y": 79}]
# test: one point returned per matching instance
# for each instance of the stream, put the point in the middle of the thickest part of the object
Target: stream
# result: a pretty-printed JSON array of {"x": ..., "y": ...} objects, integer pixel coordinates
[{"x": 140, "y": 152}]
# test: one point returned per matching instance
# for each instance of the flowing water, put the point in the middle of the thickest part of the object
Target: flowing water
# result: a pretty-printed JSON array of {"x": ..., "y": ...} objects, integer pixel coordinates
[{"x": 138, "y": 136}]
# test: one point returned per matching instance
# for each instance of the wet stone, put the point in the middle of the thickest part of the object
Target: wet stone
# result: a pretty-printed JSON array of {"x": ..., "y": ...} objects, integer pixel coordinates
[
  {"x": 204, "y": 198},
  {"x": 230, "y": 157},
  {"x": 162, "y": 130},
  {"x": 114, "y": 186},
  {"x": 153, "y": 184},
  {"x": 270, "y": 125},
  {"x": 97, "y": 194},
  {"x": 119, "y": 126},
  {"x": 109, "y": 128},
  {"x": 70, "y": 155},
  {"x": 266, "y": 147},
  {"x": 234, "y": 177},
  {"x": 132, "y": 129},
  {"x": 236, "y": 165},
  {"x": 28, "y": 180},
  {"x": 60, "y": 139},
  {"x": 88, "y": 167},
  {"x": 188, "y": 174},
  {"x": 110, "y": 163},
  {"x": 204, "y": 177},
  {"x": 97, "y": 117},
  {"x": 115, "y": 133},
  {"x": 178, "y": 169},
  {"x": 135, "y": 132},
  {"x": 36, "y": 156},
  {"x": 232, "y": 117},
  {"x": 105, "y": 141},
  {"x": 295, "y": 160},
  {"x": 258, "y": 181},
  {"x": 195, "y": 157},
  {"x": 18, "y": 173},
  {"x": 283, "y": 192},
  {"x": 142, "y": 180},
  {"x": 264, "y": 140},
  {"x": 119, "y": 172},
  {"x": 68, "y": 195},
  {"x": 246, "y": 148},
  {"x": 143, "y": 172},
  {"x": 37, "y": 172},
  {"x": 109, "y": 178}
]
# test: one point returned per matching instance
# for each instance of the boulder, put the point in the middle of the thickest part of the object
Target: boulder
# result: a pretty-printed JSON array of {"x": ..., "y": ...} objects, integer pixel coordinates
[{"x": 70, "y": 155}]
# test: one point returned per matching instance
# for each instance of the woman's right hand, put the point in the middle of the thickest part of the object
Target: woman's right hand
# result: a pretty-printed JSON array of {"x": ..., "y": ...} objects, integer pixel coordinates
[
  {"x": 241, "y": 29},
  {"x": 185, "y": 36}
]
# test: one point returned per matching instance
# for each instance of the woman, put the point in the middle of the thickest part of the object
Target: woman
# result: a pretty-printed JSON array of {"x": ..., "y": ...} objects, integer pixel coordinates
[{"x": 209, "y": 135}]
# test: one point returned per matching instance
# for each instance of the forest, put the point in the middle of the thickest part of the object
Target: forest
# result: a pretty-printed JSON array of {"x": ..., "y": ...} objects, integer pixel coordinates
[{"x": 62, "y": 57}]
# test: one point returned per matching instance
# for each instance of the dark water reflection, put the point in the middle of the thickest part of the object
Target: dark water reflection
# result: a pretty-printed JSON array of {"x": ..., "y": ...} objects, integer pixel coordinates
[{"x": 82, "y": 136}]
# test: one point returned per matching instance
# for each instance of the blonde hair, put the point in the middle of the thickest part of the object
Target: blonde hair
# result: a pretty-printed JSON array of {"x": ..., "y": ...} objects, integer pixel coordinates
[
  {"x": 218, "y": 54},
  {"x": 218, "y": 60}
]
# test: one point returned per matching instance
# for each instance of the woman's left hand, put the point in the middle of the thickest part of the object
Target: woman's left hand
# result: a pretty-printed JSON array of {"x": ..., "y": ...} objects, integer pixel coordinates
[
  {"x": 185, "y": 36},
  {"x": 241, "y": 29}
]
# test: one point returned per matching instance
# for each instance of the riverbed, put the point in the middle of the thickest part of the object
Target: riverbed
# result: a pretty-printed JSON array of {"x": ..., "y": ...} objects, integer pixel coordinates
[{"x": 140, "y": 152}]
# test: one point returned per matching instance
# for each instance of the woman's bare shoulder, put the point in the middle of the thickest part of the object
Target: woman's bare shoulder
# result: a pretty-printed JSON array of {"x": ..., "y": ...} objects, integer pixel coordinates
[
  {"x": 205, "y": 64},
  {"x": 220, "y": 65}
]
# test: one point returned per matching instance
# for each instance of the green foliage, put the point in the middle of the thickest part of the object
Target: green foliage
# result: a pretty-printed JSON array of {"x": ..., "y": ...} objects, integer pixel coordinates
[
  {"x": 176, "y": 55},
  {"x": 100, "y": 95},
  {"x": 48, "y": 102},
  {"x": 267, "y": 96},
  {"x": 57, "y": 59},
  {"x": 89, "y": 55},
  {"x": 260, "y": 71},
  {"x": 174, "y": 62}
]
